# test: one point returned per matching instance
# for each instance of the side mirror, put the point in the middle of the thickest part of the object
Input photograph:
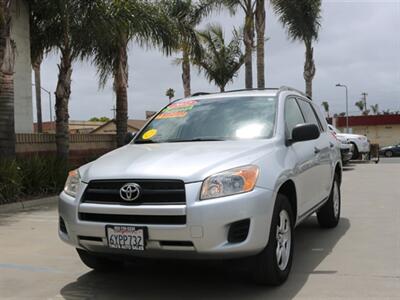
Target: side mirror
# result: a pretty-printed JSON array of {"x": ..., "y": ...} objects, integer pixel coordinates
[
  {"x": 305, "y": 132},
  {"x": 129, "y": 137}
]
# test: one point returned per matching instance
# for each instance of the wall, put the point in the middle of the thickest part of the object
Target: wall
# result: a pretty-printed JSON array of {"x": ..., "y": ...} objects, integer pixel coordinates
[
  {"x": 83, "y": 147},
  {"x": 23, "y": 73},
  {"x": 384, "y": 135}
]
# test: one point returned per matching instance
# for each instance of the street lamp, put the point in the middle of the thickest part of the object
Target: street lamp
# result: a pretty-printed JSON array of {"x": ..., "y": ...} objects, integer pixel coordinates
[
  {"x": 50, "y": 106},
  {"x": 347, "y": 105}
]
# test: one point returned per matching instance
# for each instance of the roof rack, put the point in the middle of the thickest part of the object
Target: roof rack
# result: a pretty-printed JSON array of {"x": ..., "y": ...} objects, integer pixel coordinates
[
  {"x": 288, "y": 88},
  {"x": 200, "y": 94},
  {"x": 281, "y": 89}
]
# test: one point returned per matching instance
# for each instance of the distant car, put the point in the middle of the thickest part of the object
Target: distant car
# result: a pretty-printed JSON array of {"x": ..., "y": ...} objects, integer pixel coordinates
[
  {"x": 390, "y": 151},
  {"x": 359, "y": 142},
  {"x": 346, "y": 148}
]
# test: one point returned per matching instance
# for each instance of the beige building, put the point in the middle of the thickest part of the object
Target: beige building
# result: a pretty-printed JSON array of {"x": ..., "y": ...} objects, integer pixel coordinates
[
  {"x": 381, "y": 129},
  {"x": 23, "y": 71},
  {"x": 111, "y": 128},
  {"x": 74, "y": 126}
]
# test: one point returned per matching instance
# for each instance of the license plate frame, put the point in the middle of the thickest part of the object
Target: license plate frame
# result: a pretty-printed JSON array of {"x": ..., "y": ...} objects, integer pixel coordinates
[{"x": 126, "y": 237}]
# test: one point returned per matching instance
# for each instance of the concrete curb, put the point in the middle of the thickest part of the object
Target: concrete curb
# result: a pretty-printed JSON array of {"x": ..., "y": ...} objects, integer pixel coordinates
[{"x": 22, "y": 205}]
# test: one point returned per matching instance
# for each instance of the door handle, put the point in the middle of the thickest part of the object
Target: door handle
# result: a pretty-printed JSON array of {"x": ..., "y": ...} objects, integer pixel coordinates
[{"x": 317, "y": 150}]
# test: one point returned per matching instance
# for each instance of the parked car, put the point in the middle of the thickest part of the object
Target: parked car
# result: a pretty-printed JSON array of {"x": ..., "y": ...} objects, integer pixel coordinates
[
  {"x": 227, "y": 175},
  {"x": 390, "y": 151},
  {"x": 360, "y": 142},
  {"x": 346, "y": 148}
]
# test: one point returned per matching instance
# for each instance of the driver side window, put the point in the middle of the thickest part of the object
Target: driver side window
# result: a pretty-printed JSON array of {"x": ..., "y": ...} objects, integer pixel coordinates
[{"x": 293, "y": 116}]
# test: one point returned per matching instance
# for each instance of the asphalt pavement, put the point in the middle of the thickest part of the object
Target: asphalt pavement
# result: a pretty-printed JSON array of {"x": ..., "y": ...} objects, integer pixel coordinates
[{"x": 360, "y": 259}]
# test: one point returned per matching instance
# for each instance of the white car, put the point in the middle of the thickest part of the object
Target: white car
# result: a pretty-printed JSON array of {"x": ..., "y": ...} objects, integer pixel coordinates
[
  {"x": 227, "y": 175},
  {"x": 360, "y": 142}
]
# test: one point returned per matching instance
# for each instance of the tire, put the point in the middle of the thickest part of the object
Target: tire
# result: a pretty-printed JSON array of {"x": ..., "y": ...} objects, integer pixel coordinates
[
  {"x": 329, "y": 214},
  {"x": 98, "y": 263},
  {"x": 267, "y": 269},
  {"x": 356, "y": 154},
  {"x": 388, "y": 153}
]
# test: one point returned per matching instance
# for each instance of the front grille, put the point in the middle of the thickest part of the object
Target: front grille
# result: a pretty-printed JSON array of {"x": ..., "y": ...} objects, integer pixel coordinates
[
  {"x": 133, "y": 219},
  {"x": 152, "y": 192}
]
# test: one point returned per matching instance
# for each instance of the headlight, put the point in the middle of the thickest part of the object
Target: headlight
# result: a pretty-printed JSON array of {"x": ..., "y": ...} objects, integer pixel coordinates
[
  {"x": 72, "y": 183},
  {"x": 234, "y": 181}
]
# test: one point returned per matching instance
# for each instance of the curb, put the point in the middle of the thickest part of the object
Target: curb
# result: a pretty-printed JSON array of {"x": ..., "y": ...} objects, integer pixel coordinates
[{"x": 23, "y": 205}]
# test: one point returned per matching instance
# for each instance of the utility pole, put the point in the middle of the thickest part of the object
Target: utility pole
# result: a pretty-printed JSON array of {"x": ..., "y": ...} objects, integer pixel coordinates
[{"x": 364, "y": 99}]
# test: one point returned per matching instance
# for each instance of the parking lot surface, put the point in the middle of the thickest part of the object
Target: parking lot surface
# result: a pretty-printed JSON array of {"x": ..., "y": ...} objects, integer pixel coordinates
[{"x": 360, "y": 259}]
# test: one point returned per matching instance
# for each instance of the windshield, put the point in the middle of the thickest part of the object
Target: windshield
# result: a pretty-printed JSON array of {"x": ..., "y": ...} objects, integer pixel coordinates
[{"x": 212, "y": 120}]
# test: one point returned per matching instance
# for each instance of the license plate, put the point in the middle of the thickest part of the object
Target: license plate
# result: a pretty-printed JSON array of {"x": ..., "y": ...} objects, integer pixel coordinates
[{"x": 126, "y": 237}]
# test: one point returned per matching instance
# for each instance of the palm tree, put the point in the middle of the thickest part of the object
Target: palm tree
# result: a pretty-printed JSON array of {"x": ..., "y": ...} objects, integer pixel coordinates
[
  {"x": 39, "y": 47},
  {"x": 360, "y": 105},
  {"x": 302, "y": 21},
  {"x": 260, "y": 30},
  {"x": 63, "y": 26},
  {"x": 220, "y": 62},
  {"x": 186, "y": 16},
  {"x": 248, "y": 7},
  {"x": 116, "y": 25},
  {"x": 7, "y": 62},
  {"x": 325, "y": 105},
  {"x": 375, "y": 109},
  {"x": 170, "y": 93}
]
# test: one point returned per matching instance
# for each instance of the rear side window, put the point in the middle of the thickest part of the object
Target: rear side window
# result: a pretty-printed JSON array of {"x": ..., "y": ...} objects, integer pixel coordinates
[
  {"x": 293, "y": 116},
  {"x": 309, "y": 114}
]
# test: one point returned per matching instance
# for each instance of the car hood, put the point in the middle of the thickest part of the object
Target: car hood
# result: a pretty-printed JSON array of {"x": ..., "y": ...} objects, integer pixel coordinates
[
  {"x": 351, "y": 136},
  {"x": 190, "y": 161}
]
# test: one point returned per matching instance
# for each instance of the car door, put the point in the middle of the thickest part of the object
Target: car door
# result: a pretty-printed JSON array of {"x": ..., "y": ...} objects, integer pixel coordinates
[
  {"x": 301, "y": 158},
  {"x": 323, "y": 146}
]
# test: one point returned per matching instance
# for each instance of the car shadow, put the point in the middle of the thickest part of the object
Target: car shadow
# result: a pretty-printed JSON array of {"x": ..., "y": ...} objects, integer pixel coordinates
[{"x": 209, "y": 279}]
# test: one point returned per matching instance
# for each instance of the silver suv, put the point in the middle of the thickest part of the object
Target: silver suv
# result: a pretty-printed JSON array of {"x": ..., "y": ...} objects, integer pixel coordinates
[{"x": 226, "y": 175}]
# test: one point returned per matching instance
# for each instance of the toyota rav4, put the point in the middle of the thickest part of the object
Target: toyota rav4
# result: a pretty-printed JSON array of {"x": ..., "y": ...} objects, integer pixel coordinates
[{"x": 212, "y": 176}]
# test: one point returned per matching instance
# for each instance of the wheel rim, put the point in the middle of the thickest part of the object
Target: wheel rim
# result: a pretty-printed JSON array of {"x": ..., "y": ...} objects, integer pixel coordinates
[
  {"x": 336, "y": 200},
  {"x": 389, "y": 154},
  {"x": 283, "y": 238}
]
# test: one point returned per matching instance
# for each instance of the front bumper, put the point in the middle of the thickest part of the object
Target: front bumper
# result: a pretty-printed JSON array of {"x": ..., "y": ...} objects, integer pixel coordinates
[{"x": 204, "y": 235}]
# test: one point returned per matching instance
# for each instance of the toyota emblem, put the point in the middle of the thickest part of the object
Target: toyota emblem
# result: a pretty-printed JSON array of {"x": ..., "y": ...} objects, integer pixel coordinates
[{"x": 130, "y": 192}]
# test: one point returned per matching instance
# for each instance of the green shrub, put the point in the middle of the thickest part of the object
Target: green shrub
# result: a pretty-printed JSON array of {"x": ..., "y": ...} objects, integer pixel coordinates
[
  {"x": 33, "y": 176},
  {"x": 10, "y": 181}
]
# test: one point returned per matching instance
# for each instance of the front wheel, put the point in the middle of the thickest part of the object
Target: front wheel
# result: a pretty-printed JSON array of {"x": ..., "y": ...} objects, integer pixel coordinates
[
  {"x": 329, "y": 214},
  {"x": 273, "y": 264},
  {"x": 356, "y": 154}
]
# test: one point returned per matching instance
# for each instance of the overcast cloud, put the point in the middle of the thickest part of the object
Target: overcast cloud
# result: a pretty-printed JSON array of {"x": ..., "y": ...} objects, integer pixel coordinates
[{"x": 359, "y": 45}]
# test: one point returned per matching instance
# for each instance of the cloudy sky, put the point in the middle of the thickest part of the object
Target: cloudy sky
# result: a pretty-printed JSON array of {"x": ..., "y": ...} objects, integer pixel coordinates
[{"x": 359, "y": 45}]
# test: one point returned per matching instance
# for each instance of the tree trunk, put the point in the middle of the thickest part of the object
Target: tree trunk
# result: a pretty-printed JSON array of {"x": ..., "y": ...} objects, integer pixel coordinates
[
  {"x": 186, "y": 74},
  {"x": 309, "y": 67},
  {"x": 63, "y": 92},
  {"x": 38, "y": 85},
  {"x": 121, "y": 86},
  {"x": 7, "y": 62},
  {"x": 248, "y": 38},
  {"x": 222, "y": 89},
  {"x": 260, "y": 28}
]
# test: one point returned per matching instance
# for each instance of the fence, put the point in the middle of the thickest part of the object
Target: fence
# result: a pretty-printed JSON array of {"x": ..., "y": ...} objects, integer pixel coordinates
[{"x": 83, "y": 147}]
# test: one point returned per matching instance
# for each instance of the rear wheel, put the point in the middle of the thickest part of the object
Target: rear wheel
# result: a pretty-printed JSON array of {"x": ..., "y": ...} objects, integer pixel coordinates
[
  {"x": 388, "y": 153},
  {"x": 329, "y": 214},
  {"x": 273, "y": 264},
  {"x": 98, "y": 263}
]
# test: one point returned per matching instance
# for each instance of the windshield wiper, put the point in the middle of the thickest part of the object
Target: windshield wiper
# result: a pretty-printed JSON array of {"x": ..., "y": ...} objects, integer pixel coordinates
[
  {"x": 145, "y": 142},
  {"x": 205, "y": 139}
]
